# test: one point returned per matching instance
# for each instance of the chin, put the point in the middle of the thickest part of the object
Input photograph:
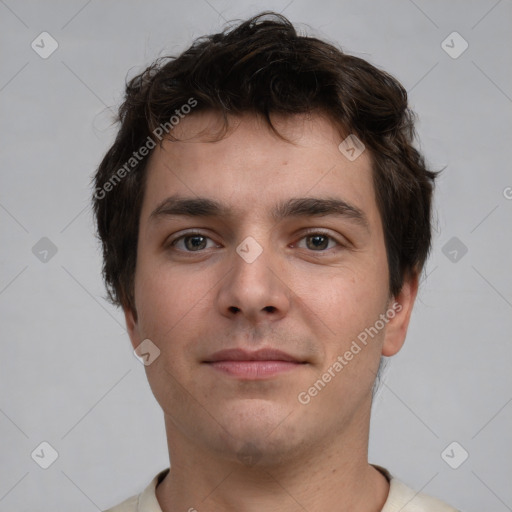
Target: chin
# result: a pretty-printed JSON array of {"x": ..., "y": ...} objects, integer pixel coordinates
[{"x": 258, "y": 426}]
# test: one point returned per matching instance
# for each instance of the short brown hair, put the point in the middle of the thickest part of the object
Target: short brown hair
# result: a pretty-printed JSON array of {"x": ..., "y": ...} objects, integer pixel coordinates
[{"x": 264, "y": 66}]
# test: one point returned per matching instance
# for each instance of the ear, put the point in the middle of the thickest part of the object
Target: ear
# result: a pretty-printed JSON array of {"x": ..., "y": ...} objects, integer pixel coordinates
[
  {"x": 401, "y": 305},
  {"x": 132, "y": 326}
]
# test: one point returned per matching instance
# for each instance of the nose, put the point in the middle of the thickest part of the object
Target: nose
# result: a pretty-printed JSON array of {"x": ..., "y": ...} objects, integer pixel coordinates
[{"x": 254, "y": 289}]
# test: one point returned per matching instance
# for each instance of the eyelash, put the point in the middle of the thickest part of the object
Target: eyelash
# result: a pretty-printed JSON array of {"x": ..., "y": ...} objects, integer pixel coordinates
[{"x": 191, "y": 234}]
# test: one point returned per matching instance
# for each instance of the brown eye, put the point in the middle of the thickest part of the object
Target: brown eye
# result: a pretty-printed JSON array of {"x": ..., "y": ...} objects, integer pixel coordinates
[
  {"x": 319, "y": 242},
  {"x": 194, "y": 242}
]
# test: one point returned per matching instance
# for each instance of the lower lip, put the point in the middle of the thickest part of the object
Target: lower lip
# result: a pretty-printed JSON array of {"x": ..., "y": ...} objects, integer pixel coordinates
[{"x": 254, "y": 369}]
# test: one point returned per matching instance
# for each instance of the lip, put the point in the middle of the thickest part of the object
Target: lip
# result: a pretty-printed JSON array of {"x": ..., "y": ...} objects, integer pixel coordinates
[
  {"x": 255, "y": 365},
  {"x": 264, "y": 354}
]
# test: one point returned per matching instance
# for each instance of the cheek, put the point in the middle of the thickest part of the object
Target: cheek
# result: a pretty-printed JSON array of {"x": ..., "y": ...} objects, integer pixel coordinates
[
  {"x": 349, "y": 304},
  {"x": 159, "y": 299},
  {"x": 170, "y": 304}
]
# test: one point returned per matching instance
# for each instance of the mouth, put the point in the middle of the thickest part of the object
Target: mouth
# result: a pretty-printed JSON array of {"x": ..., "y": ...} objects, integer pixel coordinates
[{"x": 256, "y": 365}]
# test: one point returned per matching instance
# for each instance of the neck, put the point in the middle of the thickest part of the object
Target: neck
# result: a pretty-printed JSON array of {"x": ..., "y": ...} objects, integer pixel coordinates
[{"x": 332, "y": 476}]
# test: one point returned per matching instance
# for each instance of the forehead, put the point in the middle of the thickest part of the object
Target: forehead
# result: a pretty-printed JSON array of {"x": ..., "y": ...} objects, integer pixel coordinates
[{"x": 251, "y": 169}]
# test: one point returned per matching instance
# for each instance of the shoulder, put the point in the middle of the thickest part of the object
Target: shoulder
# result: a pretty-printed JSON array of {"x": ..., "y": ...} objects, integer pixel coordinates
[
  {"x": 146, "y": 501},
  {"x": 128, "y": 505},
  {"x": 403, "y": 498}
]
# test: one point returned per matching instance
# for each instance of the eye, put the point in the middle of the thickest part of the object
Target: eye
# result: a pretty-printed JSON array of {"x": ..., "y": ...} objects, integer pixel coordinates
[
  {"x": 318, "y": 241},
  {"x": 192, "y": 242}
]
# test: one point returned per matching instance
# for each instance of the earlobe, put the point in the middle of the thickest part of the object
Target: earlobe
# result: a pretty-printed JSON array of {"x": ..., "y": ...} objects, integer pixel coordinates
[{"x": 399, "y": 313}]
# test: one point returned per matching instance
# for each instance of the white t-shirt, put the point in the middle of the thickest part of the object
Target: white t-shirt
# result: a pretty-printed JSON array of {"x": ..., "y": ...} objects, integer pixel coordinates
[{"x": 401, "y": 498}]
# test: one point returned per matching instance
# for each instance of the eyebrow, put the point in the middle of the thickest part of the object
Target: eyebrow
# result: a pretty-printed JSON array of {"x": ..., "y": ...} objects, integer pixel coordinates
[{"x": 294, "y": 207}]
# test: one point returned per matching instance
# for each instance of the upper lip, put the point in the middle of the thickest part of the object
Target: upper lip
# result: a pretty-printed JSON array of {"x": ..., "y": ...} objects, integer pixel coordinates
[{"x": 238, "y": 354}]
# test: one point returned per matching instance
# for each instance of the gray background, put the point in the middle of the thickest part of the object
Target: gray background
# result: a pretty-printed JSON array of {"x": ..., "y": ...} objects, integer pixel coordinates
[{"x": 68, "y": 374}]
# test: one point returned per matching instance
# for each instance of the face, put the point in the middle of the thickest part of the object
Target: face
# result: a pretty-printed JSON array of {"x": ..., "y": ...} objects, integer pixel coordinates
[{"x": 267, "y": 291}]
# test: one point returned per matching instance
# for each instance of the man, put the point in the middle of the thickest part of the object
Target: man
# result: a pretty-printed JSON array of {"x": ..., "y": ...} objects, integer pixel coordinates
[{"x": 264, "y": 220}]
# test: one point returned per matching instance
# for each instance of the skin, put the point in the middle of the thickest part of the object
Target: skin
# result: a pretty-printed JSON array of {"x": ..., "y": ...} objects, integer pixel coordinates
[{"x": 309, "y": 302}]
